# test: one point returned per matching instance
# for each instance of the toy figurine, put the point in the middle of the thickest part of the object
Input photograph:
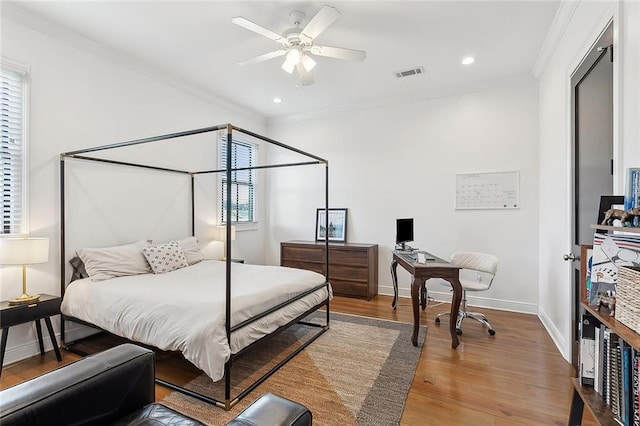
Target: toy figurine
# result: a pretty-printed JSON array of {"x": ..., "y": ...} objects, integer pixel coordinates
[
  {"x": 633, "y": 215},
  {"x": 609, "y": 300},
  {"x": 624, "y": 216}
]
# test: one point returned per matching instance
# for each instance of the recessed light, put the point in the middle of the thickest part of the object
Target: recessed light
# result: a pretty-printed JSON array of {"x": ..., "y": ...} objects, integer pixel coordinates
[
  {"x": 468, "y": 60},
  {"x": 277, "y": 100}
]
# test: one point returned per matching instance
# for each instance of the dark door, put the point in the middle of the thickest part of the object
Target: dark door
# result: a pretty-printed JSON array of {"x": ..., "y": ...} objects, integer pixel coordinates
[{"x": 592, "y": 134}]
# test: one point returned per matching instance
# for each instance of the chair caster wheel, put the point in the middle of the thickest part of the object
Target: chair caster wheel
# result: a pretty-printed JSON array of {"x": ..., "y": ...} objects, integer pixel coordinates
[
  {"x": 438, "y": 321},
  {"x": 459, "y": 331},
  {"x": 492, "y": 332}
]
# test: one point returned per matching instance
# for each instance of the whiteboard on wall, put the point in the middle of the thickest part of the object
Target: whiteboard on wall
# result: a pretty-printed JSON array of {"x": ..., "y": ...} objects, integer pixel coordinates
[{"x": 499, "y": 190}]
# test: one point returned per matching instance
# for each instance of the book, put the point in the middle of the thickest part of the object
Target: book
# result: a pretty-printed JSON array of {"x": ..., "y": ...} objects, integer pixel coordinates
[
  {"x": 637, "y": 193},
  {"x": 597, "y": 366},
  {"x": 587, "y": 350},
  {"x": 632, "y": 188},
  {"x": 615, "y": 376},
  {"x": 635, "y": 394},
  {"x": 606, "y": 374},
  {"x": 625, "y": 379}
]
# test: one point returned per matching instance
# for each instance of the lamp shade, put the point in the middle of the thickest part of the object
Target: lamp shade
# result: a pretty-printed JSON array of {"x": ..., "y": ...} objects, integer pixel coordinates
[
  {"x": 222, "y": 232},
  {"x": 23, "y": 251}
]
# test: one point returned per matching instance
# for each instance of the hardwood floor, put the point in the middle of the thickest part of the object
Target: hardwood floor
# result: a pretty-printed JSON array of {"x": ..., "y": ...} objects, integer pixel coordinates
[{"x": 516, "y": 377}]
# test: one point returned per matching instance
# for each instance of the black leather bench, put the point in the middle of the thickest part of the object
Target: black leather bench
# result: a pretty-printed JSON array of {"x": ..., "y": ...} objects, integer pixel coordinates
[{"x": 117, "y": 387}]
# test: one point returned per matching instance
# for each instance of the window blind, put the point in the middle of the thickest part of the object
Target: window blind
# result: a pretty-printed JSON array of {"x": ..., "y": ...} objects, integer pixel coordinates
[
  {"x": 243, "y": 155},
  {"x": 12, "y": 151}
]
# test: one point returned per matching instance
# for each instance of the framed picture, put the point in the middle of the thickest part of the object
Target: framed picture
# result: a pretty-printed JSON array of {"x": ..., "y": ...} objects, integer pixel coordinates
[
  {"x": 609, "y": 202},
  {"x": 337, "y": 225}
]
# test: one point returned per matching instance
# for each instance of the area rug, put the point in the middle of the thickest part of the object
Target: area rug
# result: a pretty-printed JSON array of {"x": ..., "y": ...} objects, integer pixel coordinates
[{"x": 357, "y": 373}]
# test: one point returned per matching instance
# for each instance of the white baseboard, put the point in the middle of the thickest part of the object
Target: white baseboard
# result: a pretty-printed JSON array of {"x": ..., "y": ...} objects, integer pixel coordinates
[
  {"x": 31, "y": 347},
  {"x": 28, "y": 349},
  {"x": 478, "y": 301},
  {"x": 556, "y": 336}
]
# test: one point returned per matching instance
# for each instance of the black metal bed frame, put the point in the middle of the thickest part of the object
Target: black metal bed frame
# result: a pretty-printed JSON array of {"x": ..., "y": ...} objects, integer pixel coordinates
[{"x": 228, "y": 403}]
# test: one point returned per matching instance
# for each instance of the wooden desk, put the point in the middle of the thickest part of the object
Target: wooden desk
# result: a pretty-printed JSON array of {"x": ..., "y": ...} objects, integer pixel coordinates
[{"x": 420, "y": 272}]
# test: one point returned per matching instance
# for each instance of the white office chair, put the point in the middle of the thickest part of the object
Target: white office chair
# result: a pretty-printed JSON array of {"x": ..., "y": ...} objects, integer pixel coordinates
[{"x": 478, "y": 270}]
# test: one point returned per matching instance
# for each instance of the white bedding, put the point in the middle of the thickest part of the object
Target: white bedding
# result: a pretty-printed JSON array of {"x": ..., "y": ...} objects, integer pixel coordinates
[{"x": 185, "y": 309}]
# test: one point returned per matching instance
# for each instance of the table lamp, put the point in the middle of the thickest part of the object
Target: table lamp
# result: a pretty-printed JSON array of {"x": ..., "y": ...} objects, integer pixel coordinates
[
  {"x": 222, "y": 236},
  {"x": 24, "y": 251}
]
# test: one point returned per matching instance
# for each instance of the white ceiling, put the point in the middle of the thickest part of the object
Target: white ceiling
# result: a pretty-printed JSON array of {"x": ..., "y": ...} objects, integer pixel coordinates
[{"x": 195, "y": 43}]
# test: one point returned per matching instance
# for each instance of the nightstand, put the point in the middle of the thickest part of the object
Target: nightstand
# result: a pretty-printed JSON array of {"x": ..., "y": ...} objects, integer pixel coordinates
[{"x": 11, "y": 315}]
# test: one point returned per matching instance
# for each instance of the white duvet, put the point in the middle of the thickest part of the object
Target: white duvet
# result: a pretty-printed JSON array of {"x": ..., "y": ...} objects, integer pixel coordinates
[{"x": 185, "y": 309}]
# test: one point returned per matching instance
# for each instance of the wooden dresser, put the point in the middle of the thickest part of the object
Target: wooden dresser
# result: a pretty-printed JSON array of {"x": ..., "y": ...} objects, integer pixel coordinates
[{"x": 353, "y": 268}]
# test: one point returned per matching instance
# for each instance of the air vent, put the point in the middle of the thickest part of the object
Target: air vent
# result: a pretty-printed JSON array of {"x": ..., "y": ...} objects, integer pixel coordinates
[{"x": 412, "y": 71}]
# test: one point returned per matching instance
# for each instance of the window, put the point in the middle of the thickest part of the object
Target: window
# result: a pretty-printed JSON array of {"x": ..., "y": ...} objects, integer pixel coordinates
[
  {"x": 13, "y": 149},
  {"x": 243, "y": 154}
]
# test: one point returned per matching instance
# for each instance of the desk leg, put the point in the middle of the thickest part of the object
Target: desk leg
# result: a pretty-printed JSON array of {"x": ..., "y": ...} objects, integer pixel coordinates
[
  {"x": 54, "y": 342},
  {"x": 416, "y": 285},
  {"x": 394, "y": 280},
  {"x": 3, "y": 346},
  {"x": 455, "y": 307},
  {"x": 423, "y": 296},
  {"x": 39, "y": 331}
]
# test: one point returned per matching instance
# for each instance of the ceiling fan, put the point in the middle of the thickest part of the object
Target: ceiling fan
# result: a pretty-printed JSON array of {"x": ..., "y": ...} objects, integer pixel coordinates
[{"x": 297, "y": 43}]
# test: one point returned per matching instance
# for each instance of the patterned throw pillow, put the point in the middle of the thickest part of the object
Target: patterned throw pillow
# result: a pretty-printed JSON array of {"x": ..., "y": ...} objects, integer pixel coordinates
[{"x": 165, "y": 258}]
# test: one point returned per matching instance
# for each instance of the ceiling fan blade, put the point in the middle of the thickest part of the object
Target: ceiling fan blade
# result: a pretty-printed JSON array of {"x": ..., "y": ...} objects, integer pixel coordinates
[
  {"x": 262, "y": 58},
  {"x": 252, "y": 26},
  {"x": 304, "y": 78},
  {"x": 339, "y": 53},
  {"x": 321, "y": 21}
]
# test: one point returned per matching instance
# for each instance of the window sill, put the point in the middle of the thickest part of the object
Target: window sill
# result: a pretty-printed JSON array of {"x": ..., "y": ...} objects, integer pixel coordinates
[{"x": 241, "y": 227}]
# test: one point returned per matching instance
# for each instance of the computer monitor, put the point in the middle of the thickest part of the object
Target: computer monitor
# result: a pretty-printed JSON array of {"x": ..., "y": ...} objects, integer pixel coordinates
[{"x": 404, "y": 231}]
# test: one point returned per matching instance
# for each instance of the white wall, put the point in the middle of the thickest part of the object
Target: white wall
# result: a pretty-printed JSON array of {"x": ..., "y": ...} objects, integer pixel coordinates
[
  {"x": 629, "y": 90},
  {"x": 400, "y": 161},
  {"x": 80, "y": 99},
  {"x": 588, "y": 21}
]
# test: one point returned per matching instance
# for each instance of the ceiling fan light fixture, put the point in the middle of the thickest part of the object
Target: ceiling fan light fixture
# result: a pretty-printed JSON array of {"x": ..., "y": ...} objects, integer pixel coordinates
[
  {"x": 298, "y": 43},
  {"x": 308, "y": 63},
  {"x": 293, "y": 57},
  {"x": 288, "y": 66}
]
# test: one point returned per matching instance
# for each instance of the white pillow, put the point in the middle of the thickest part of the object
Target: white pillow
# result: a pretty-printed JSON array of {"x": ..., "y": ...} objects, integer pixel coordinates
[
  {"x": 166, "y": 257},
  {"x": 191, "y": 250},
  {"x": 109, "y": 262}
]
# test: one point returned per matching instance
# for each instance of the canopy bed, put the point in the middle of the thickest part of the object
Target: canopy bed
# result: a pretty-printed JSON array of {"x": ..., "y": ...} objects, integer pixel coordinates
[{"x": 211, "y": 311}]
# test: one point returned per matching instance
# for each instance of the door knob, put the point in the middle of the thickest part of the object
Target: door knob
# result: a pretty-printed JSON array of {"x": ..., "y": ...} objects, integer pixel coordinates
[{"x": 570, "y": 257}]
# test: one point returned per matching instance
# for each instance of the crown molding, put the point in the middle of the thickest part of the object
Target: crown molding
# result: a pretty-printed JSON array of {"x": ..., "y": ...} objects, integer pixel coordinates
[
  {"x": 558, "y": 27},
  {"x": 12, "y": 11}
]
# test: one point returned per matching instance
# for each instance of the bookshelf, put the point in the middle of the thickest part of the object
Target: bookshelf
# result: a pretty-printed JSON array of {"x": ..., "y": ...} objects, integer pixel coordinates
[
  {"x": 585, "y": 397},
  {"x": 631, "y": 229}
]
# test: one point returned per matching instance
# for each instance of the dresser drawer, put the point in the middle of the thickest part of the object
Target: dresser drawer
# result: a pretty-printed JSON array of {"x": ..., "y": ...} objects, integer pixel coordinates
[
  {"x": 301, "y": 253},
  {"x": 340, "y": 256},
  {"x": 349, "y": 288},
  {"x": 315, "y": 267},
  {"x": 348, "y": 273}
]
